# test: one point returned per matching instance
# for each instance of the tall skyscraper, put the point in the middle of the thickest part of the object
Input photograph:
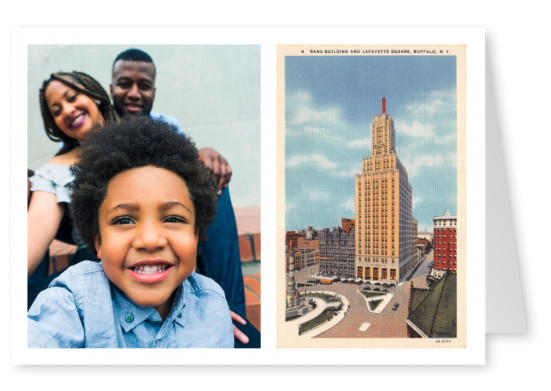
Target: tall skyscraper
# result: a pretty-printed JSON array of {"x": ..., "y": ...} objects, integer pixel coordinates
[{"x": 385, "y": 237}]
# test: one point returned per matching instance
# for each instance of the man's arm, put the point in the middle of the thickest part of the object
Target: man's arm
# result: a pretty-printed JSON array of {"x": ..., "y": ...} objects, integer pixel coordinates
[
  {"x": 218, "y": 165},
  {"x": 215, "y": 162}
]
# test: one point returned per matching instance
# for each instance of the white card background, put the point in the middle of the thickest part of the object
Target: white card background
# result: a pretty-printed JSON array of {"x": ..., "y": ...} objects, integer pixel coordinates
[{"x": 518, "y": 59}]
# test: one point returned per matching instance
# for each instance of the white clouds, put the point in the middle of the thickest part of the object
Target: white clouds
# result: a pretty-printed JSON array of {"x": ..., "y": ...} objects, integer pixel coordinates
[
  {"x": 415, "y": 163},
  {"x": 348, "y": 205},
  {"x": 447, "y": 139},
  {"x": 438, "y": 101},
  {"x": 289, "y": 206},
  {"x": 313, "y": 129},
  {"x": 430, "y": 108},
  {"x": 362, "y": 143},
  {"x": 316, "y": 195},
  {"x": 428, "y": 114},
  {"x": 415, "y": 129},
  {"x": 346, "y": 173},
  {"x": 303, "y": 112},
  {"x": 315, "y": 159}
]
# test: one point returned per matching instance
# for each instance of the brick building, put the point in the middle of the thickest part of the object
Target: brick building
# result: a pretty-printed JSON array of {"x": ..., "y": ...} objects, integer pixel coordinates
[
  {"x": 445, "y": 244},
  {"x": 348, "y": 224}
]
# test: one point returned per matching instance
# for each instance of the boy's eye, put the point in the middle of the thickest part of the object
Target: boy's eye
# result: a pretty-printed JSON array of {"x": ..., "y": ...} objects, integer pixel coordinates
[
  {"x": 175, "y": 219},
  {"x": 122, "y": 220}
]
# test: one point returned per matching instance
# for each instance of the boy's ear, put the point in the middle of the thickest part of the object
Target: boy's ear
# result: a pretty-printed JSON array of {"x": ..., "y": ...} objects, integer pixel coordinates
[
  {"x": 97, "y": 244},
  {"x": 196, "y": 236}
]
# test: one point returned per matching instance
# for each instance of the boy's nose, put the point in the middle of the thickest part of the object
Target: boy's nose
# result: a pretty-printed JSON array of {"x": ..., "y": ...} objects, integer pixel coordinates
[{"x": 150, "y": 238}]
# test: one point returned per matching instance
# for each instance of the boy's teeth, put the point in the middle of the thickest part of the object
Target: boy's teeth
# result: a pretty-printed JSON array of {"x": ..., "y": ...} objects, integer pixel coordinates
[{"x": 150, "y": 269}]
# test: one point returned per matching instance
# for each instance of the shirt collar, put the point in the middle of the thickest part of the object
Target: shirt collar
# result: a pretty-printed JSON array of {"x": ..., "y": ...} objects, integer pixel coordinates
[
  {"x": 129, "y": 314},
  {"x": 178, "y": 306}
]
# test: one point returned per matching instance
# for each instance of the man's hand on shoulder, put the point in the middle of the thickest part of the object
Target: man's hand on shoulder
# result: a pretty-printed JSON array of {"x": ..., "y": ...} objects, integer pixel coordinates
[
  {"x": 238, "y": 334},
  {"x": 218, "y": 165}
]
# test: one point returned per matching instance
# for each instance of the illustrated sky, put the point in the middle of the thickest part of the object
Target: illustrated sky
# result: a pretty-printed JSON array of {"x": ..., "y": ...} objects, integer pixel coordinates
[{"x": 330, "y": 102}]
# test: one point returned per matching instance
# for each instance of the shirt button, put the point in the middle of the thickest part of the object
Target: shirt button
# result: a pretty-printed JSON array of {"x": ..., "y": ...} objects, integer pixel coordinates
[
  {"x": 129, "y": 318},
  {"x": 180, "y": 314}
]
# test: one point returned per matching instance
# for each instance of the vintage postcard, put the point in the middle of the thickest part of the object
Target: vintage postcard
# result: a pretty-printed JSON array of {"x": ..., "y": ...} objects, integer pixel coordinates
[{"x": 372, "y": 162}]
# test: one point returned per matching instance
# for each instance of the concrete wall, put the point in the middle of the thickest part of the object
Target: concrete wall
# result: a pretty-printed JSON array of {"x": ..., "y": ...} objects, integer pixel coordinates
[{"x": 213, "y": 90}]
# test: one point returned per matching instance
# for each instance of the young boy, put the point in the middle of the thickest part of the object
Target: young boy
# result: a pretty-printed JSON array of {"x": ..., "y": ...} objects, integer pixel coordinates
[{"x": 140, "y": 200}]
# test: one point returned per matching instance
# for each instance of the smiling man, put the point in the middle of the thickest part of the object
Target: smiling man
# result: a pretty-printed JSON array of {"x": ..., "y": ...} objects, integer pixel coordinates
[{"x": 133, "y": 85}]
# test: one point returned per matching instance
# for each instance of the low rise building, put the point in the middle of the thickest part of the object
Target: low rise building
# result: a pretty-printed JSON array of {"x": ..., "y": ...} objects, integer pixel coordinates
[{"x": 337, "y": 248}]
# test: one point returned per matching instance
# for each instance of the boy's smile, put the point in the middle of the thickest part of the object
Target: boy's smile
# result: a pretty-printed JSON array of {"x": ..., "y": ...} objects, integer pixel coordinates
[{"x": 147, "y": 240}]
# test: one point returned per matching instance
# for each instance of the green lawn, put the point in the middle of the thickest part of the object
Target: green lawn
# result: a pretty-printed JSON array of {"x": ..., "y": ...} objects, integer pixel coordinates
[
  {"x": 325, "y": 316},
  {"x": 369, "y": 294},
  {"x": 374, "y": 304},
  {"x": 324, "y": 296}
]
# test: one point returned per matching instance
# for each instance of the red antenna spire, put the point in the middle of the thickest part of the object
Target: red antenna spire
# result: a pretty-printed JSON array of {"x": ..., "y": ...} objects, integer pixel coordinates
[{"x": 384, "y": 105}]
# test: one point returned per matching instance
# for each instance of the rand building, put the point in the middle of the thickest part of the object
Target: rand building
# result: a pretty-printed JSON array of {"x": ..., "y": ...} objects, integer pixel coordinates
[{"x": 385, "y": 230}]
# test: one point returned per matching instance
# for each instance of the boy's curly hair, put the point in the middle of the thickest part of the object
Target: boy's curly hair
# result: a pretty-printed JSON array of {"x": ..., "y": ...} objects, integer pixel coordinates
[{"x": 135, "y": 142}]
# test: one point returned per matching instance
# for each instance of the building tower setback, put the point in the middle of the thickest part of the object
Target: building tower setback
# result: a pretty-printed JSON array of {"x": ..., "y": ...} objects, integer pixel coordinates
[{"x": 385, "y": 237}]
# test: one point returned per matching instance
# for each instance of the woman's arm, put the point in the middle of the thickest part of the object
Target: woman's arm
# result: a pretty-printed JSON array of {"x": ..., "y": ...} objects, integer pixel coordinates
[{"x": 43, "y": 218}]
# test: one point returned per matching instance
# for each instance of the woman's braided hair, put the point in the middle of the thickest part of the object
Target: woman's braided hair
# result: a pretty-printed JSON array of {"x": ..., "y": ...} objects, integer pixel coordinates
[{"x": 85, "y": 84}]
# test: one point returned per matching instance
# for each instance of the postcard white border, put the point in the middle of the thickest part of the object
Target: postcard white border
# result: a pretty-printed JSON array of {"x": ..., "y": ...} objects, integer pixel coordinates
[{"x": 268, "y": 39}]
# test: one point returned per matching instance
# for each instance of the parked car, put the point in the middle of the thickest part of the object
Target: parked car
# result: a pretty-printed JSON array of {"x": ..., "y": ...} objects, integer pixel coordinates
[
  {"x": 377, "y": 290},
  {"x": 385, "y": 290},
  {"x": 395, "y": 306}
]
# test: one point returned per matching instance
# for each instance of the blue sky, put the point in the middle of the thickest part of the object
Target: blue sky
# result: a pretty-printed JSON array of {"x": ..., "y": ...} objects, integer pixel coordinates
[{"x": 330, "y": 104}]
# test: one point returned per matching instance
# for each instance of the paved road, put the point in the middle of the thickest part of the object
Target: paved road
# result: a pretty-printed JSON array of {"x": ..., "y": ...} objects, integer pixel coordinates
[
  {"x": 387, "y": 324},
  {"x": 423, "y": 270}
]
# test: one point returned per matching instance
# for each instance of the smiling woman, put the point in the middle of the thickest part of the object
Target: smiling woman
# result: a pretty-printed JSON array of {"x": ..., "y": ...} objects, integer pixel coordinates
[
  {"x": 74, "y": 113},
  {"x": 72, "y": 104}
]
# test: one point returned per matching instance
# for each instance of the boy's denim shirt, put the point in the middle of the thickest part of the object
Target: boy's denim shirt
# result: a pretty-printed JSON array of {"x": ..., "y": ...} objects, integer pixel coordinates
[{"x": 82, "y": 309}]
